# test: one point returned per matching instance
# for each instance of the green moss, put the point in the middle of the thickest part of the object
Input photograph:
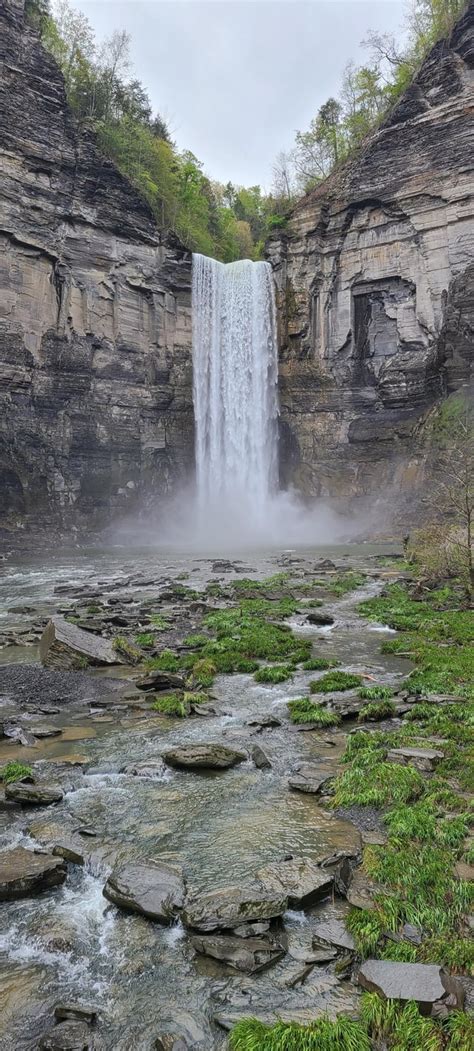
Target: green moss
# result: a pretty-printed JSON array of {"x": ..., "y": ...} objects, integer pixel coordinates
[
  {"x": 127, "y": 650},
  {"x": 172, "y": 704},
  {"x": 14, "y": 771},
  {"x": 196, "y": 641},
  {"x": 375, "y": 693},
  {"x": 379, "y": 785},
  {"x": 145, "y": 638},
  {"x": 344, "y": 583},
  {"x": 335, "y": 681},
  {"x": 204, "y": 671},
  {"x": 303, "y": 710},
  {"x": 159, "y": 621},
  {"x": 319, "y": 664},
  {"x": 375, "y": 711},
  {"x": 93, "y": 609},
  {"x": 274, "y": 673},
  {"x": 341, "y": 1035}
]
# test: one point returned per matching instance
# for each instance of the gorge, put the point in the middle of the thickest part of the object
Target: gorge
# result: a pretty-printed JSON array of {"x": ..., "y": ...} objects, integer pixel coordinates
[{"x": 373, "y": 274}]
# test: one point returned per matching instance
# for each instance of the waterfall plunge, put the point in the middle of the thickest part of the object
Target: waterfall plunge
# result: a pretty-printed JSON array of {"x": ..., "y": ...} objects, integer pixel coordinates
[{"x": 235, "y": 370}]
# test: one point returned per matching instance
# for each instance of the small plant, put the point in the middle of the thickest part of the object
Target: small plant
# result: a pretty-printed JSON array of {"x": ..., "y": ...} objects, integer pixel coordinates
[
  {"x": 172, "y": 704},
  {"x": 127, "y": 650},
  {"x": 159, "y": 621},
  {"x": 165, "y": 661},
  {"x": 145, "y": 638},
  {"x": 303, "y": 710},
  {"x": 376, "y": 711},
  {"x": 195, "y": 641},
  {"x": 319, "y": 664},
  {"x": 335, "y": 681},
  {"x": 204, "y": 671},
  {"x": 375, "y": 693},
  {"x": 15, "y": 772},
  {"x": 399, "y": 1026},
  {"x": 274, "y": 673},
  {"x": 93, "y": 609},
  {"x": 377, "y": 785},
  {"x": 323, "y": 1035}
]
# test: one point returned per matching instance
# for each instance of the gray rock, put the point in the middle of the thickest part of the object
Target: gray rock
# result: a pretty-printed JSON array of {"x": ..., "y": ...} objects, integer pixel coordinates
[
  {"x": 426, "y": 983},
  {"x": 231, "y": 907},
  {"x": 147, "y": 768},
  {"x": 46, "y": 731},
  {"x": 64, "y": 645},
  {"x": 80, "y": 1012},
  {"x": 70, "y": 1035},
  {"x": 154, "y": 889},
  {"x": 251, "y": 930},
  {"x": 323, "y": 619},
  {"x": 211, "y": 756},
  {"x": 333, "y": 932},
  {"x": 424, "y": 759},
  {"x": 307, "y": 777},
  {"x": 18, "y": 733},
  {"x": 265, "y": 722},
  {"x": 299, "y": 879},
  {"x": 171, "y": 1042},
  {"x": 33, "y": 795},
  {"x": 243, "y": 954},
  {"x": 260, "y": 759},
  {"x": 24, "y": 872},
  {"x": 161, "y": 680}
]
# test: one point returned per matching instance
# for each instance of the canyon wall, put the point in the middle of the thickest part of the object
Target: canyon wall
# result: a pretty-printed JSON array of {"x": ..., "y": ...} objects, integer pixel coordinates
[
  {"x": 95, "y": 314},
  {"x": 375, "y": 289}
]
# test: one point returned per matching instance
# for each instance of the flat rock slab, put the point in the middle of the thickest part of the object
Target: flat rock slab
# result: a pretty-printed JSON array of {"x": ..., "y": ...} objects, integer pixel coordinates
[
  {"x": 64, "y": 645},
  {"x": 33, "y": 795},
  {"x": 230, "y": 907},
  {"x": 243, "y": 954},
  {"x": 79, "y": 1012},
  {"x": 425, "y": 983},
  {"x": 300, "y": 880},
  {"x": 307, "y": 777},
  {"x": 154, "y": 889},
  {"x": 333, "y": 932},
  {"x": 22, "y": 873},
  {"x": 322, "y": 619},
  {"x": 161, "y": 680},
  {"x": 46, "y": 731},
  {"x": 422, "y": 758},
  {"x": 203, "y": 756}
]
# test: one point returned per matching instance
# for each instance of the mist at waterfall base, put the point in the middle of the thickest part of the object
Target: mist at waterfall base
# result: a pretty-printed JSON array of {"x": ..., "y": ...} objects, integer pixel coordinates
[{"x": 234, "y": 503}]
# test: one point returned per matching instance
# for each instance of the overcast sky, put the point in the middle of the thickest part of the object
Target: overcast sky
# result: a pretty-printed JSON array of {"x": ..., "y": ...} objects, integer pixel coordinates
[{"x": 236, "y": 78}]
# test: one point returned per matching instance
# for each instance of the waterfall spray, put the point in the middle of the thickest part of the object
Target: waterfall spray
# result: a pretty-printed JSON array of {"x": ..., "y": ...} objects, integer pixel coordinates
[{"x": 235, "y": 370}]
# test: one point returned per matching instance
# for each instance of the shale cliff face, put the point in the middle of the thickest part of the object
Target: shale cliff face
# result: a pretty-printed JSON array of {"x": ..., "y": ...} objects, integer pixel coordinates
[
  {"x": 375, "y": 279},
  {"x": 95, "y": 322}
]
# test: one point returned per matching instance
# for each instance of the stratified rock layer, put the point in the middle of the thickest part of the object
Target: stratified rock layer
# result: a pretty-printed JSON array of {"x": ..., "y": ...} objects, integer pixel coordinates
[
  {"x": 95, "y": 327},
  {"x": 375, "y": 278}
]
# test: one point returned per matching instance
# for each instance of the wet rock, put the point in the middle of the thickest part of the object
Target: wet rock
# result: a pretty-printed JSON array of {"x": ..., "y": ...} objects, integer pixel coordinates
[
  {"x": 322, "y": 619},
  {"x": 70, "y": 1036},
  {"x": 80, "y": 1012},
  {"x": 64, "y": 645},
  {"x": 161, "y": 680},
  {"x": 231, "y": 907},
  {"x": 171, "y": 1042},
  {"x": 251, "y": 930},
  {"x": 307, "y": 777},
  {"x": 148, "y": 768},
  {"x": 46, "y": 731},
  {"x": 249, "y": 955},
  {"x": 24, "y": 872},
  {"x": 18, "y": 733},
  {"x": 70, "y": 852},
  {"x": 211, "y": 756},
  {"x": 424, "y": 759},
  {"x": 264, "y": 722},
  {"x": 260, "y": 759},
  {"x": 33, "y": 795},
  {"x": 299, "y": 879},
  {"x": 333, "y": 932},
  {"x": 358, "y": 888},
  {"x": 154, "y": 889},
  {"x": 432, "y": 989}
]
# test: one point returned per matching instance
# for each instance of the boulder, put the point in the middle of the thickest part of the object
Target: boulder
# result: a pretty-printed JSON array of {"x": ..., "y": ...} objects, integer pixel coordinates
[
  {"x": 23, "y": 872},
  {"x": 424, "y": 759},
  {"x": 360, "y": 891},
  {"x": 260, "y": 759},
  {"x": 322, "y": 619},
  {"x": 434, "y": 991},
  {"x": 161, "y": 680},
  {"x": 64, "y": 645},
  {"x": 154, "y": 889},
  {"x": 307, "y": 777},
  {"x": 333, "y": 932},
  {"x": 243, "y": 954},
  {"x": 232, "y": 906},
  {"x": 80, "y": 1012},
  {"x": 265, "y": 722},
  {"x": 19, "y": 734},
  {"x": 72, "y": 1035},
  {"x": 33, "y": 795},
  {"x": 298, "y": 879},
  {"x": 211, "y": 756}
]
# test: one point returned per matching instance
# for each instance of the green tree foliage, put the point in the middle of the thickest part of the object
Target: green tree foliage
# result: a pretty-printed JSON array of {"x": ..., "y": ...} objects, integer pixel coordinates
[
  {"x": 226, "y": 222},
  {"x": 368, "y": 92}
]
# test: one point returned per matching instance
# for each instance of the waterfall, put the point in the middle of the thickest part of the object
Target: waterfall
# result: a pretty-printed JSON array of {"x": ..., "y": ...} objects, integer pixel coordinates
[{"x": 235, "y": 372}]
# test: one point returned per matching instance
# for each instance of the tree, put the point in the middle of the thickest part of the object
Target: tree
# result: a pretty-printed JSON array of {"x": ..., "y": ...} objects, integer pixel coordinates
[{"x": 320, "y": 148}]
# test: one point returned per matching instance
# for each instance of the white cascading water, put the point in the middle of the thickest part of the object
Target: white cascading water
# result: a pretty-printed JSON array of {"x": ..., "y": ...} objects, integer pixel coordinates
[{"x": 235, "y": 369}]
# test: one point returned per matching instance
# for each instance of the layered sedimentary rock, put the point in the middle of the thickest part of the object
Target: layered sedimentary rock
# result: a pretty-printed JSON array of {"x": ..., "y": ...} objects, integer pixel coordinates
[
  {"x": 375, "y": 279},
  {"x": 95, "y": 326}
]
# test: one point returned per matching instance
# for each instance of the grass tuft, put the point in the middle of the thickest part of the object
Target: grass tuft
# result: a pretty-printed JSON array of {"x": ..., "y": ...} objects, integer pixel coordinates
[
  {"x": 303, "y": 710},
  {"x": 375, "y": 711},
  {"x": 14, "y": 771},
  {"x": 274, "y": 673},
  {"x": 335, "y": 681}
]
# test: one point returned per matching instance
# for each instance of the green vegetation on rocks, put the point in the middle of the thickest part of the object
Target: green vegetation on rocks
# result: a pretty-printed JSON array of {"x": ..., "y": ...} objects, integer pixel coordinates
[
  {"x": 165, "y": 661},
  {"x": 376, "y": 710},
  {"x": 303, "y": 710},
  {"x": 14, "y": 771},
  {"x": 319, "y": 664},
  {"x": 274, "y": 673},
  {"x": 375, "y": 693},
  {"x": 172, "y": 704},
  {"x": 335, "y": 681},
  {"x": 323, "y": 1035},
  {"x": 127, "y": 650}
]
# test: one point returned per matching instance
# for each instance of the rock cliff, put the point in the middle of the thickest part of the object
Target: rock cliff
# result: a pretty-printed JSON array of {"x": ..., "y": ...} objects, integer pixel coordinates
[
  {"x": 95, "y": 323},
  {"x": 375, "y": 279}
]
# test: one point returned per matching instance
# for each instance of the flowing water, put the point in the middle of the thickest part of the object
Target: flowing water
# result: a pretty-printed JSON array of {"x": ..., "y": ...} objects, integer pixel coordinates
[
  {"x": 70, "y": 942},
  {"x": 235, "y": 370}
]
